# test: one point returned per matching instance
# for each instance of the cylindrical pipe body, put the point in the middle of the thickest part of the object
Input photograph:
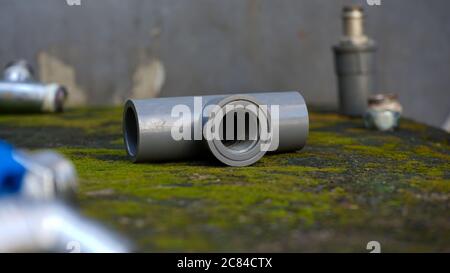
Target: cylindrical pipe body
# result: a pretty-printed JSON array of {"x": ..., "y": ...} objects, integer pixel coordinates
[
  {"x": 354, "y": 62},
  {"x": 355, "y": 71},
  {"x": 31, "y": 97},
  {"x": 19, "y": 92},
  {"x": 148, "y": 127}
]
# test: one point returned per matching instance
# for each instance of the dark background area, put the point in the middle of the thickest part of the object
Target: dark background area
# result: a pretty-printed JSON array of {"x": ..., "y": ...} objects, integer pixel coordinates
[{"x": 108, "y": 50}]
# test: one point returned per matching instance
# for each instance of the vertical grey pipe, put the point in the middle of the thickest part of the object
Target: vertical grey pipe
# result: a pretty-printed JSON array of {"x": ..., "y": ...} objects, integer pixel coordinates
[
  {"x": 354, "y": 59},
  {"x": 148, "y": 127}
]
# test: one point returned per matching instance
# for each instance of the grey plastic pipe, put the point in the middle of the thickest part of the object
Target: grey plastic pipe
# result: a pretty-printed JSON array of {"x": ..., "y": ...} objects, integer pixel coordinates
[
  {"x": 19, "y": 92},
  {"x": 52, "y": 227},
  {"x": 147, "y": 127},
  {"x": 354, "y": 59}
]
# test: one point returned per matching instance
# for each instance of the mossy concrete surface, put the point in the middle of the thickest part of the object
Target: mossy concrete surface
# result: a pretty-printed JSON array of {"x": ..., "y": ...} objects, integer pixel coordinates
[{"x": 347, "y": 187}]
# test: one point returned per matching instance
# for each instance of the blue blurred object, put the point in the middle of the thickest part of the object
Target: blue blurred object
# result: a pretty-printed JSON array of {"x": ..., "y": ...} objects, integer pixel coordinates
[
  {"x": 42, "y": 175},
  {"x": 11, "y": 172}
]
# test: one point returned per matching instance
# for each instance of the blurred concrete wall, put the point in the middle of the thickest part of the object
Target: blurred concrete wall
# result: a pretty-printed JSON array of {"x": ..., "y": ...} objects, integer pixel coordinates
[{"x": 108, "y": 50}]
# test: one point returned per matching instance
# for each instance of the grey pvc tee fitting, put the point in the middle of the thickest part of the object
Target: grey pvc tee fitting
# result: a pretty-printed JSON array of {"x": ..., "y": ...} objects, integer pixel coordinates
[
  {"x": 354, "y": 60},
  {"x": 19, "y": 92},
  {"x": 148, "y": 127}
]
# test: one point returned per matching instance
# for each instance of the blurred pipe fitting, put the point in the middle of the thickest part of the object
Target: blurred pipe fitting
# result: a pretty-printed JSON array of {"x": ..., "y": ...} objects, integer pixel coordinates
[
  {"x": 32, "y": 216},
  {"x": 42, "y": 175},
  {"x": 383, "y": 113},
  {"x": 19, "y": 92},
  {"x": 28, "y": 226},
  {"x": 18, "y": 71}
]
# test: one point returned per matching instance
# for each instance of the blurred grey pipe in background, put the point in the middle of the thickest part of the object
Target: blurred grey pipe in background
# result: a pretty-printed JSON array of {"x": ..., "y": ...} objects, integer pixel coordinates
[{"x": 19, "y": 92}]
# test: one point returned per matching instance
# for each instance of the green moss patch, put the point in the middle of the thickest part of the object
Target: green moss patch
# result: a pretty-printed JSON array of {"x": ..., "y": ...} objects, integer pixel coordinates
[{"x": 348, "y": 186}]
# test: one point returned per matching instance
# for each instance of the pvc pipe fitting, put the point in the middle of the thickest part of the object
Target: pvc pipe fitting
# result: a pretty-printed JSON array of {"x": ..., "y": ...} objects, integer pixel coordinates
[
  {"x": 239, "y": 123},
  {"x": 28, "y": 226},
  {"x": 43, "y": 175},
  {"x": 18, "y": 71},
  {"x": 19, "y": 92},
  {"x": 384, "y": 112}
]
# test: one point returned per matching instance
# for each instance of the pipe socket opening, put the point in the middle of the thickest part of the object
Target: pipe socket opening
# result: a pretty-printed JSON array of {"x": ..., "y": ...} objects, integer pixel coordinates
[
  {"x": 240, "y": 131},
  {"x": 239, "y": 142},
  {"x": 131, "y": 131}
]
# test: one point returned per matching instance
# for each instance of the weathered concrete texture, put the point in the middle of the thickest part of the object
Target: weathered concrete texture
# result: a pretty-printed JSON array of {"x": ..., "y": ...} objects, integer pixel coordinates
[
  {"x": 106, "y": 51},
  {"x": 349, "y": 186}
]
